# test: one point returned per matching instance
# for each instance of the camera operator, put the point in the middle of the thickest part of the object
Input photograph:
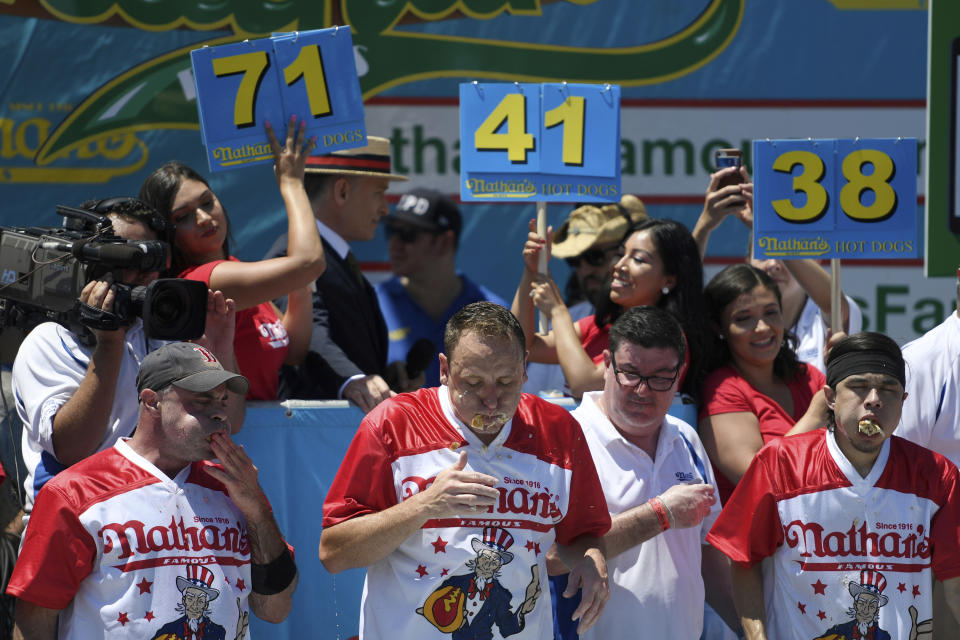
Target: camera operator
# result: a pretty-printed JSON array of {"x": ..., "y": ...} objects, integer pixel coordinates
[{"x": 75, "y": 400}]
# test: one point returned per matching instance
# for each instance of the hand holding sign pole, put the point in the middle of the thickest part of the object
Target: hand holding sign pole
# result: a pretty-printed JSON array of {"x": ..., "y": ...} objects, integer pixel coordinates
[
  {"x": 835, "y": 198},
  {"x": 555, "y": 142}
]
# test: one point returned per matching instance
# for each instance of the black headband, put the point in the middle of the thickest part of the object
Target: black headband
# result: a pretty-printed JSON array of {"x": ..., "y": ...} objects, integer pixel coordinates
[{"x": 854, "y": 362}]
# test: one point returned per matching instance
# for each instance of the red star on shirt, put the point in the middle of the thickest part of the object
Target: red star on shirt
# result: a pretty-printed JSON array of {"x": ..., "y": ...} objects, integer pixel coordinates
[
  {"x": 240, "y": 584},
  {"x": 901, "y": 587},
  {"x": 444, "y": 572},
  {"x": 821, "y": 615},
  {"x": 144, "y": 586},
  {"x": 149, "y": 616},
  {"x": 533, "y": 546},
  {"x": 916, "y": 590},
  {"x": 123, "y": 619},
  {"x": 422, "y": 570},
  {"x": 819, "y": 587},
  {"x": 802, "y": 607},
  {"x": 440, "y": 546}
]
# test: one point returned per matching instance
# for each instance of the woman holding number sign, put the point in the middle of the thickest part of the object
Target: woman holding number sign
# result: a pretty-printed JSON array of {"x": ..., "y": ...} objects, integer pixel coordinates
[
  {"x": 265, "y": 337},
  {"x": 658, "y": 265}
]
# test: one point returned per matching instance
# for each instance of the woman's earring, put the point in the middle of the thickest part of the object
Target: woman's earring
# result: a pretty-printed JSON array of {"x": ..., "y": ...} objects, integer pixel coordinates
[{"x": 665, "y": 290}]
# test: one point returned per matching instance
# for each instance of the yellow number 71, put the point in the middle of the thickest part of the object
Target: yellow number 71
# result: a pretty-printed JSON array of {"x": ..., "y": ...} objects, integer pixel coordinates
[{"x": 253, "y": 65}]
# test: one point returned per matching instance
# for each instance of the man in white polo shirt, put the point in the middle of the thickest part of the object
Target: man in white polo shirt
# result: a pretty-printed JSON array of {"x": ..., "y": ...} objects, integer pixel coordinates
[{"x": 659, "y": 487}]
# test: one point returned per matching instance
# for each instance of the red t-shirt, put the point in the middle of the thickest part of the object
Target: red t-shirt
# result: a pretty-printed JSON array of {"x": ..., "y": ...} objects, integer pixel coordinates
[
  {"x": 726, "y": 391},
  {"x": 593, "y": 338},
  {"x": 260, "y": 343}
]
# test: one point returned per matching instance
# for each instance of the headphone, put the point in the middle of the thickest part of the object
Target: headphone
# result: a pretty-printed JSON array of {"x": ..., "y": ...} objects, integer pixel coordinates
[{"x": 149, "y": 216}]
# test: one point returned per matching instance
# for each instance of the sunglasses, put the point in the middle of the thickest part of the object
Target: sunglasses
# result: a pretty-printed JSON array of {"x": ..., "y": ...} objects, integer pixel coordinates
[
  {"x": 593, "y": 257},
  {"x": 404, "y": 233}
]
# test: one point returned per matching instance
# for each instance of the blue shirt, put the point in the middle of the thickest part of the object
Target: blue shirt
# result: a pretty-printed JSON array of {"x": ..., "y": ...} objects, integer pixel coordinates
[{"x": 407, "y": 322}]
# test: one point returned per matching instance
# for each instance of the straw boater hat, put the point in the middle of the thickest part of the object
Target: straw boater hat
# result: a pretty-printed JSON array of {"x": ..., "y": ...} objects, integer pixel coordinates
[
  {"x": 590, "y": 226},
  {"x": 370, "y": 160}
]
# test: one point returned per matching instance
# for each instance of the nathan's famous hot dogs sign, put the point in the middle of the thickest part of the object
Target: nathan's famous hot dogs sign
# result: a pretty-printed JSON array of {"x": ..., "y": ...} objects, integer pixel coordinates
[
  {"x": 242, "y": 86},
  {"x": 551, "y": 142},
  {"x": 835, "y": 198}
]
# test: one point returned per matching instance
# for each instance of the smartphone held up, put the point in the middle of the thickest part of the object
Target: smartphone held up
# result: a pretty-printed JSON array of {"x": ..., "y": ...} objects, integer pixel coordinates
[{"x": 723, "y": 158}]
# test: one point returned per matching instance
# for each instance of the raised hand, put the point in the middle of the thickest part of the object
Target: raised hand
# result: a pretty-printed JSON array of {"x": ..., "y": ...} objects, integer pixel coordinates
[
  {"x": 534, "y": 245},
  {"x": 290, "y": 160},
  {"x": 239, "y": 475}
]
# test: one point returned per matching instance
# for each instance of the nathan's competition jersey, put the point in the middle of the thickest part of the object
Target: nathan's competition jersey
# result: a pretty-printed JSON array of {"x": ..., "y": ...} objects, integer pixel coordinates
[
  {"x": 122, "y": 548},
  {"x": 827, "y": 535},
  {"x": 437, "y": 584}
]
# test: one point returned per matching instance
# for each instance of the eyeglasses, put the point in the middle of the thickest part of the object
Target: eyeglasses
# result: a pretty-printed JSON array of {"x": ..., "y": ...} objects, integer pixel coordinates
[
  {"x": 593, "y": 257},
  {"x": 405, "y": 234},
  {"x": 632, "y": 380}
]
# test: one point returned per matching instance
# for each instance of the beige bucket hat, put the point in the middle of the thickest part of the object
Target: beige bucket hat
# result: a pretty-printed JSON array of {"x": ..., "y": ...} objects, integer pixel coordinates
[{"x": 589, "y": 226}]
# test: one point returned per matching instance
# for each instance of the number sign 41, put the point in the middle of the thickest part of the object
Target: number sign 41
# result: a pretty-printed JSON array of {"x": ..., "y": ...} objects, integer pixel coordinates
[
  {"x": 240, "y": 86},
  {"x": 844, "y": 198},
  {"x": 543, "y": 142}
]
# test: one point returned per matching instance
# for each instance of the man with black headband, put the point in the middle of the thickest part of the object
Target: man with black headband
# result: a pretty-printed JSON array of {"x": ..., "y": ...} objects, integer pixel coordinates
[{"x": 848, "y": 512}]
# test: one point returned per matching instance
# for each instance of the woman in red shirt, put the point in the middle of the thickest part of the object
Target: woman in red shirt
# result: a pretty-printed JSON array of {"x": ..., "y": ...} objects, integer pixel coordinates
[
  {"x": 658, "y": 265},
  {"x": 757, "y": 390},
  {"x": 265, "y": 338}
]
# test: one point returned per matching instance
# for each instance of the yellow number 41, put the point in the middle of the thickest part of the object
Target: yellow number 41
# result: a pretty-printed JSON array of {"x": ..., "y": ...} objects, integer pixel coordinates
[{"x": 517, "y": 142}]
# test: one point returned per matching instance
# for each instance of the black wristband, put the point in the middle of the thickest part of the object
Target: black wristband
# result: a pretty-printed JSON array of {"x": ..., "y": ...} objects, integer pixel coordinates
[{"x": 274, "y": 577}]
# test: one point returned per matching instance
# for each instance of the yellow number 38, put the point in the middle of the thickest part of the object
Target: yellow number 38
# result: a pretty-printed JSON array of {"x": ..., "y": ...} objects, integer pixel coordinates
[{"x": 809, "y": 182}]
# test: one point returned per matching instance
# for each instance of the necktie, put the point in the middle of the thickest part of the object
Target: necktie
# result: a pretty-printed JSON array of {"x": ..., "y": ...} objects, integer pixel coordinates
[{"x": 355, "y": 267}]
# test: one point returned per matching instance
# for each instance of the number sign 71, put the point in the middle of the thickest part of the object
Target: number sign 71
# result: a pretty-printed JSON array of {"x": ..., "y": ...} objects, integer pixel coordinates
[{"x": 242, "y": 85}]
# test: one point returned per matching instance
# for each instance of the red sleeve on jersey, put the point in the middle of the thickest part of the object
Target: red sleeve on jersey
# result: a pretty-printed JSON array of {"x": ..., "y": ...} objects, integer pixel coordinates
[
  {"x": 200, "y": 273},
  {"x": 932, "y": 476},
  {"x": 945, "y": 529},
  {"x": 364, "y": 482},
  {"x": 722, "y": 394},
  {"x": 587, "y": 513},
  {"x": 749, "y": 528},
  {"x": 57, "y": 555}
]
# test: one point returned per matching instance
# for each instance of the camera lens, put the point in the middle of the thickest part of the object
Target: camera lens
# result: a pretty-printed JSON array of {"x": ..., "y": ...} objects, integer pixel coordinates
[{"x": 175, "y": 309}]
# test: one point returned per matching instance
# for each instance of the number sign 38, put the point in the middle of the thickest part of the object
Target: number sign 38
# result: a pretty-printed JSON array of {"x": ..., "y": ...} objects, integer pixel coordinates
[
  {"x": 242, "y": 85},
  {"x": 837, "y": 190}
]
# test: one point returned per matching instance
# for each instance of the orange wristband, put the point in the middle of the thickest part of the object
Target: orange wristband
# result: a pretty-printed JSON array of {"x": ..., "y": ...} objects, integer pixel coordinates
[{"x": 661, "y": 511}]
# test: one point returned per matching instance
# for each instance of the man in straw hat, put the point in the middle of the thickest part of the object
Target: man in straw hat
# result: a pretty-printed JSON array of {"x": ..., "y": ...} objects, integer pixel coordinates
[
  {"x": 815, "y": 509},
  {"x": 587, "y": 241},
  {"x": 104, "y": 550},
  {"x": 348, "y": 351}
]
